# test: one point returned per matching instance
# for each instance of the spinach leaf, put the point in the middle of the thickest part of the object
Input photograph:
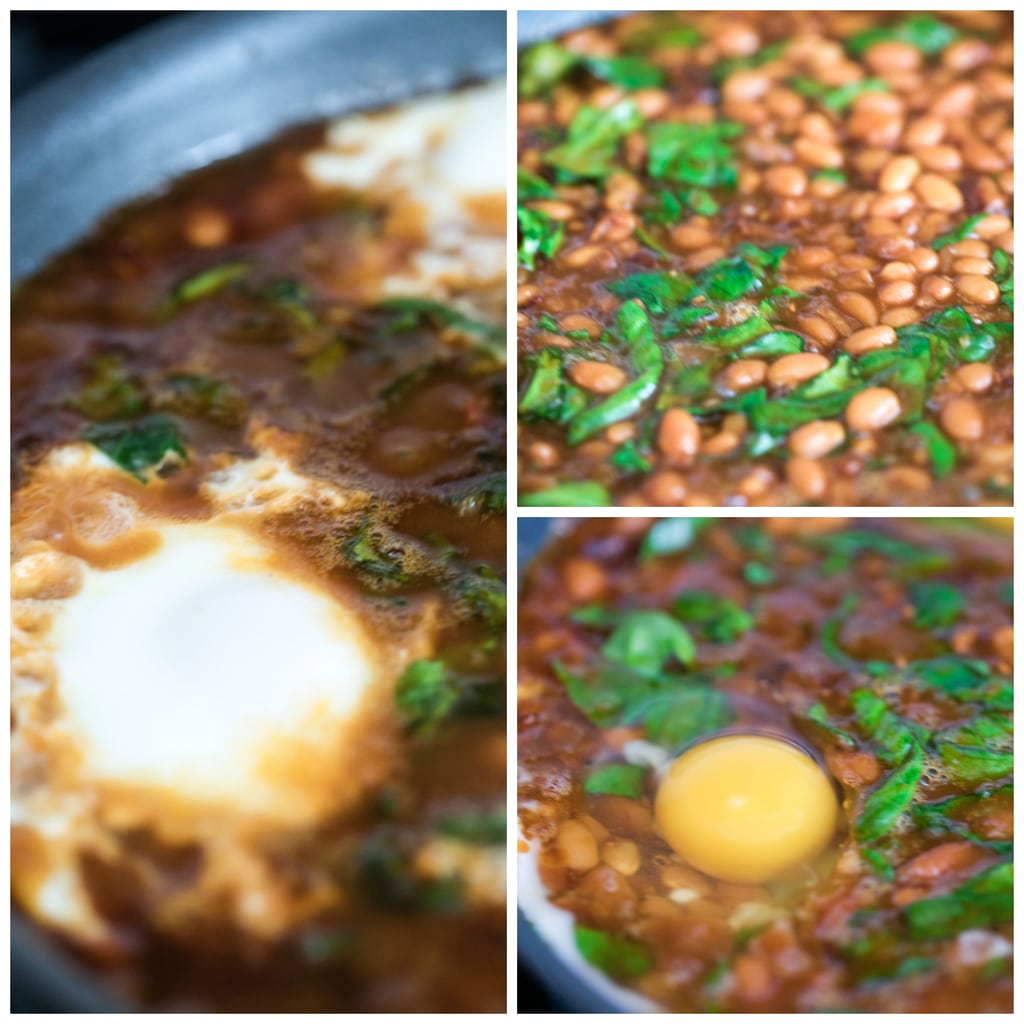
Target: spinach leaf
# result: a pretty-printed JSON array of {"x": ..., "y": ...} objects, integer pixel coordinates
[
  {"x": 941, "y": 451},
  {"x": 543, "y": 66},
  {"x": 645, "y": 641},
  {"x": 722, "y": 620},
  {"x": 661, "y": 293},
  {"x": 837, "y": 99},
  {"x": 629, "y": 71},
  {"x": 693, "y": 154},
  {"x": 618, "y": 779},
  {"x": 953, "y": 816},
  {"x": 592, "y": 141},
  {"x": 691, "y": 709},
  {"x": 572, "y": 493},
  {"x": 412, "y": 312},
  {"x": 774, "y": 343},
  {"x": 531, "y": 186},
  {"x": 539, "y": 235},
  {"x": 376, "y": 553},
  {"x": 206, "y": 283},
  {"x": 616, "y": 956},
  {"x": 137, "y": 447},
  {"x": 549, "y": 395},
  {"x": 974, "y": 764},
  {"x": 629, "y": 459},
  {"x": 844, "y": 547},
  {"x": 1003, "y": 276},
  {"x": 893, "y": 737},
  {"x": 482, "y": 828},
  {"x": 984, "y": 901},
  {"x": 429, "y": 692},
  {"x": 936, "y": 605},
  {"x": 670, "y": 536},
  {"x": 818, "y": 717},
  {"x": 635, "y": 328},
  {"x": 194, "y": 394},
  {"x": 959, "y": 233},
  {"x": 921, "y": 31},
  {"x": 110, "y": 391},
  {"x": 885, "y": 804},
  {"x": 737, "y": 335}
]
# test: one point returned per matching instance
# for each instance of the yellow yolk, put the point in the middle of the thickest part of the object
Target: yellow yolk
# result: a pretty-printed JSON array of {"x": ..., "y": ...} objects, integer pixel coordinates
[{"x": 746, "y": 808}]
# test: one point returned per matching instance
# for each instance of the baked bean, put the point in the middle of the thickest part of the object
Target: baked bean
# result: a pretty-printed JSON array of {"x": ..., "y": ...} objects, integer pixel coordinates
[
  {"x": 900, "y": 316},
  {"x": 1002, "y": 644},
  {"x": 923, "y": 260},
  {"x": 817, "y": 439},
  {"x": 543, "y": 455},
  {"x": 893, "y": 205},
  {"x": 938, "y": 193},
  {"x": 992, "y": 225},
  {"x": 891, "y": 56},
  {"x": 818, "y": 328},
  {"x": 860, "y": 307},
  {"x": 722, "y": 443},
  {"x": 899, "y": 174},
  {"x": 619, "y": 433},
  {"x": 572, "y": 322},
  {"x": 976, "y": 377},
  {"x": 596, "y": 256},
  {"x": 924, "y": 131},
  {"x": 206, "y": 227},
  {"x": 622, "y": 855},
  {"x": 599, "y": 378},
  {"x": 790, "y": 370},
  {"x": 554, "y": 208},
  {"x": 977, "y": 289},
  {"x": 957, "y": 100},
  {"x": 971, "y": 248},
  {"x": 972, "y": 265},
  {"x": 527, "y": 293},
  {"x": 690, "y": 236},
  {"x": 897, "y": 293},
  {"x": 756, "y": 483},
  {"x": 785, "y": 180},
  {"x": 666, "y": 489},
  {"x": 744, "y": 374},
  {"x": 806, "y": 477},
  {"x": 873, "y": 409},
  {"x": 816, "y": 153},
  {"x": 576, "y": 846},
  {"x": 898, "y": 270},
  {"x": 869, "y": 339},
  {"x": 584, "y": 580},
  {"x": 937, "y": 287},
  {"x": 678, "y": 436},
  {"x": 966, "y": 55},
  {"x": 961, "y": 418},
  {"x": 744, "y": 86}
]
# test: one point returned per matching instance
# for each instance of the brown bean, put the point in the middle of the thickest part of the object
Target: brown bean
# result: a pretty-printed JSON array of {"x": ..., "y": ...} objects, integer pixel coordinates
[
  {"x": 526, "y": 293},
  {"x": 666, "y": 489},
  {"x": 972, "y": 248},
  {"x": 207, "y": 227},
  {"x": 859, "y": 306},
  {"x": 900, "y": 316},
  {"x": 869, "y": 339},
  {"x": 937, "y": 287},
  {"x": 555, "y": 209},
  {"x": 744, "y": 86},
  {"x": 973, "y": 265},
  {"x": 961, "y": 418},
  {"x": 957, "y": 100},
  {"x": 619, "y": 433},
  {"x": 597, "y": 377},
  {"x": 795, "y": 368},
  {"x": 891, "y": 55},
  {"x": 873, "y": 409},
  {"x": 938, "y": 193},
  {"x": 584, "y": 580},
  {"x": 893, "y": 205},
  {"x": 899, "y": 174},
  {"x": 816, "y": 439},
  {"x": 818, "y": 328},
  {"x": 744, "y": 374},
  {"x": 690, "y": 236},
  {"x": 785, "y": 180},
  {"x": 977, "y": 289},
  {"x": 543, "y": 455},
  {"x": 940, "y": 862},
  {"x": 1002, "y": 644},
  {"x": 571, "y": 322},
  {"x": 722, "y": 443},
  {"x": 923, "y": 260},
  {"x": 678, "y": 436},
  {"x": 576, "y": 846},
  {"x": 856, "y": 768},
  {"x": 756, "y": 483},
  {"x": 897, "y": 293},
  {"x": 623, "y": 855},
  {"x": 924, "y": 131},
  {"x": 898, "y": 270},
  {"x": 992, "y": 225},
  {"x": 975, "y": 377},
  {"x": 806, "y": 477},
  {"x": 815, "y": 153}
]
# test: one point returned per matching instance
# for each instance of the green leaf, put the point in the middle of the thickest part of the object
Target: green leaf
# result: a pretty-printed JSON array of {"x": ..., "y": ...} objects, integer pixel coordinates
[
  {"x": 670, "y": 536},
  {"x": 984, "y": 901},
  {"x": 593, "y": 138},
  {"x": 646, "y": 641},
  {"x": 138, "y": 446},
  {"x": 548, "y": 394},
  {"x": 954, "y": 815},
  {"x": 539, "y": 235},
  {"x": 412, "y": 312},
  {"x": 368, "y": 549},
  {"x": 110, "y": 391},
  {"x": 723, "y": 621},
  {"x": 425, "y": 694},
  {"x": 957, "y": 676},
  {"x": 817, "y": 715},
  {"x": 194, "y": 394},
  {"x": 618, "y": 779},
  {"x": 659, "y": 292},
  {"x": 838, "y": 99},
  {"x": 634, "y": 326},
  {"x": 936, "y": 605},
  {"x": 629, "y": 459},
  {"x": 892, "y": 736},
  {"x": 921, "y": 31},
  {"x": 844, "y": 547},
  {"x": 578, "y": 493},
  {"x": 728, "y": 338},
  {"x": 885, "y": 804},
  {"x": 774, "y": 343},
  {"x": 693, "y": 154},
  {"x": 630, "y": 72},
  {"x": 206, "y": 283},
  {"x": 688, "y": 710},
  {"x": 482, "y": 828},
  {"x": 543, "y": 66},
  {"x": 614, "y": 955},
  {"x": 532, "y": 186},
  {"x": 972, "y": 765},
  {"x": 959, "y": 233},
  {"x": 941, "y": 452}
]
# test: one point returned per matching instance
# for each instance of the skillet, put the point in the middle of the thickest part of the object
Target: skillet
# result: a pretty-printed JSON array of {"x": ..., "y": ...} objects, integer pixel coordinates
[{"x": 168, "y": 100}]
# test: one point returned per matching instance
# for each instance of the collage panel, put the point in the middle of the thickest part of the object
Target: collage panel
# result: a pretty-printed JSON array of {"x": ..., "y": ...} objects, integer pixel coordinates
[
  {"x": 258, "y": 525},
  {"x": 765, "y": 765},
  {"x": 765, "y": 258}
]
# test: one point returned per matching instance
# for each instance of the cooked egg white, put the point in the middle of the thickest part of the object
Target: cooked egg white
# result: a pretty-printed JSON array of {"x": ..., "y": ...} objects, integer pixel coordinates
[
  {"x": 437, "y": 165},
  {"x": 191, "y": 676}
]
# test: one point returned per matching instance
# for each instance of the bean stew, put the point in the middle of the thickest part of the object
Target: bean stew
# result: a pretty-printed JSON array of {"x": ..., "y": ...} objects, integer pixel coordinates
[
  {"x": 767, "y": 259},
  {"x": 865, "y": 665}
]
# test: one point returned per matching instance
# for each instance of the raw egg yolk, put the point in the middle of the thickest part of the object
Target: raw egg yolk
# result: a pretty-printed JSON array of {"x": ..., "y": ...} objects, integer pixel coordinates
[{"x": 746, "y": 808}]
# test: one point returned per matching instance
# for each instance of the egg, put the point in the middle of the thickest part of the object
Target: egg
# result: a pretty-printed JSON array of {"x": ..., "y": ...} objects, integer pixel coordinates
[
  {"x": 181, "y": 669},
  {"x": 746, "y": 808}
]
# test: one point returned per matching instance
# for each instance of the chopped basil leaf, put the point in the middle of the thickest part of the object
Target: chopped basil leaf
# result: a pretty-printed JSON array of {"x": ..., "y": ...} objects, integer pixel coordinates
[
  {"x": 531, "y": 186},
  {"x": 886, "y": 803},
  {"x": 722, "y": 620},
  {"x": 628, "y": 459},
  {"x": 661, "y": 293},
  {"x": 921, "y": 31},
  {"x": 941, "y": 451},
  {"x": 817, "y": 715},
  {"x": 110, "y": 391},
  {"x": 646, "y": 641},
  {"x": 984, "y": 901},
  {"x": 428, "y": 692},
  {"x": 617, "y": 779},
  {"x": 693, "y": 154},
  {"x": 548, "y": 394},
  {"x": 578, "y": 494},
  {"x": 486, "y": 828},
  {"x": 411, "y": 312},
  {"x": 539, "y": 235},
  {"x": 670, "y": 536},
  {"x": 893, "y": 737},
  {"x": 845, "y": 546},
  {"x": 139, "y": 446},
  {"x": 206, "y": 283},
  {"x": 593, "y": 138},
  {"x": 628, "y": 71},
  {"x": 616, "y": 956},
  {"x": 543, "y": 66},
  {"x": 936, "y": 605},
  {"x": 774, "y": 343},
  {"x": 838, "y": 99},
  {"x": 958, "y": 234}
]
